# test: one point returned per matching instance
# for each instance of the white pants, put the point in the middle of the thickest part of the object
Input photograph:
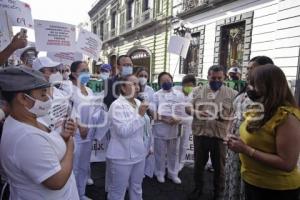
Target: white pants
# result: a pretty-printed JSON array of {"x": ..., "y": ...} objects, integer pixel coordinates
[
  {"x": 163, "y": 148},
  {"x": 81, "y": 165},
  {"x": 123, "y": 177},
  {"x": 184, "y": 142}
]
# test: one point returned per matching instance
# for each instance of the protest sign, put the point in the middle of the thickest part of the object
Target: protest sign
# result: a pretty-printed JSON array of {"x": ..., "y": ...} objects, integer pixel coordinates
[
  {"x": 18, "y": 13},
  {"x": 179, "y": 46},
  {"x": 65, "y": 57},
  {"x": 4, "y": 32},
  {"x": 89, "y": 44},
  {"x": 54, "y": 36},
  {"x": 99, "y": 150}
]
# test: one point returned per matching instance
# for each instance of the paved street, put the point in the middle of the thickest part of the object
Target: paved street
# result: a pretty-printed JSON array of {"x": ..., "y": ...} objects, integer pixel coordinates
[{"x": 152, "y": 190}]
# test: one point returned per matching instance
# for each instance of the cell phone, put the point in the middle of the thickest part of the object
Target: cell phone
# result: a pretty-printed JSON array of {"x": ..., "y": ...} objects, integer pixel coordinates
[{"x": 23, "y": 33}]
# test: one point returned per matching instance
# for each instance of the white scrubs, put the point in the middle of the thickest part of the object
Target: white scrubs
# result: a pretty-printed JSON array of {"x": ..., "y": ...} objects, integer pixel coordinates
[
  {"x": 84, "y": 110},
  {"x": 29, "y": 156},
  {"x": 126, "y": 150},
  {"x": 166, "y": 136},
  {"x": 186, "y": 133}
]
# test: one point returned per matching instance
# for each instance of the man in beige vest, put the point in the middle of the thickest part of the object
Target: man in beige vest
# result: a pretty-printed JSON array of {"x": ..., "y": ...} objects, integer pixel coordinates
[{"x": 212, "y": 110}]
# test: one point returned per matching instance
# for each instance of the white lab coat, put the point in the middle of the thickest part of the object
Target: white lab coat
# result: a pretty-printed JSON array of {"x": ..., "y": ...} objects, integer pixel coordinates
[
  {"x": 84, "y": 110},
  {"x": 126, "y": 150},
  {"x": 165, "y": 135}
]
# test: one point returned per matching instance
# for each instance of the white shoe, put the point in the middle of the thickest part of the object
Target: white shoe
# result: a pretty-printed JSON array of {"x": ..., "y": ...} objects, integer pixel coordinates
[
  {"x": 86, "y": 198},
  {"x": 90, "y": 181},
  {"x": 181, "y": 165},
  {"x": 160, "y": 179},
  {"x": 175, "y": 179}
]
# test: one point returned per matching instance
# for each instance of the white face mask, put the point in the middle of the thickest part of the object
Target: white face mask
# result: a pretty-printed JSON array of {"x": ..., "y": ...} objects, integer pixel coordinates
[
  {"x": 55, "y": 78},
  {"x": 104, "y": 75},
  {"x": 40, "y": 108},
  {"x": 143, "y": 80}
]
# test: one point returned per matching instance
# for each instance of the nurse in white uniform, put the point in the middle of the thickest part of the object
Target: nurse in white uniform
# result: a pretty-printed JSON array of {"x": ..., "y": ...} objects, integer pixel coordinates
[
  {"x": 188, "y": 83},
  {"x": 60, "y": 91},
  {"x": 126, "y": 149},
  {"x": 83, "y": 101},
  {"x": 37, "y": 164},
  {"x": 165, "y": 129},
  {"x": 146, "y": 92}
]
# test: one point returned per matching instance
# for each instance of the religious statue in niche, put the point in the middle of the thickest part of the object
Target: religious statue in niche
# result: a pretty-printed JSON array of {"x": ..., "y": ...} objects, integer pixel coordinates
[{"x": 235, "y": 46}]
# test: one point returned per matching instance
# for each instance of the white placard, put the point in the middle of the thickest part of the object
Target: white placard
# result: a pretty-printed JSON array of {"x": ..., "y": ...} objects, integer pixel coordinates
[
  {"x": 99, "y": 150},
  {"x": 18, "y": 12},
  {"x": 65, "y": 57},
  {"x": 4, "y": 32},
  {"x": 89, "y": 44},
  {"x": 189, "y": 156},
  {"x": 179, "y": 46},
  {"x": 54, "y": 36}
]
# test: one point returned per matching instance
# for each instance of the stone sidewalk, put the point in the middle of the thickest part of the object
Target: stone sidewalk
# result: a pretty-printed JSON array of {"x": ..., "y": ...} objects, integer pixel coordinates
[{"x": 153, "y": 190}]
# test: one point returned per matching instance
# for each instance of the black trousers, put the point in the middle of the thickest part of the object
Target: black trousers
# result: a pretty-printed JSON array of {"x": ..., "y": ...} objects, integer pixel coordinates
[
  {"x": 256, "y": 193},
  {"x": 202, "y": 147}
]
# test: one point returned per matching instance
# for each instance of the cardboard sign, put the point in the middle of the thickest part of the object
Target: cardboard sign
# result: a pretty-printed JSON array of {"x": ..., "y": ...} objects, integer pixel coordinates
[
  {"x": 179, "y": 45},
  {"x": 54, "y": 36},
  {"x": 189, "y": 157},
  {"x": 65, "y": 57},
  {"x": 89, "y": 44},
  {"x": 4, "y": 32},
  {"x": 18, "y": 12},
  {"x": 99, "y": 150}
]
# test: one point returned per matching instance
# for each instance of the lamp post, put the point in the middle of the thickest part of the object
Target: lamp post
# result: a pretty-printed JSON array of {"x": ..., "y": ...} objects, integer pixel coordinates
[{"x": 183, "y": 31}]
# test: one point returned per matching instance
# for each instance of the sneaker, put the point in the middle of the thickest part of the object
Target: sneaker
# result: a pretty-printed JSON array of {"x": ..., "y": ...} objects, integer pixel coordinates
[
  {"x": 90, "y": 182},
  {"x": 160, "y": 179},
  {"x": 195, "y": 195},
  {"x": 175, "y": 179},
  {"x": 86, "y": 198}
]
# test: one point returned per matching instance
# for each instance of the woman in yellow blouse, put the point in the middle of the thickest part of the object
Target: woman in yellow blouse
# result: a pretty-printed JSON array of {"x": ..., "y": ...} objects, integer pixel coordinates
[{"x": 269, "y": 142}]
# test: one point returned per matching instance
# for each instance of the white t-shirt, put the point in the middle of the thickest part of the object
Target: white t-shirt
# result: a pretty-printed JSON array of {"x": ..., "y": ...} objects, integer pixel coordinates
[{"x": 29, "y": 156}]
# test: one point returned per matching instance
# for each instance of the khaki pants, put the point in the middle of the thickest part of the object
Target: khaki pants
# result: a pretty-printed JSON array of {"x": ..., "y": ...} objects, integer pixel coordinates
[{"x": 202, "y": 147}]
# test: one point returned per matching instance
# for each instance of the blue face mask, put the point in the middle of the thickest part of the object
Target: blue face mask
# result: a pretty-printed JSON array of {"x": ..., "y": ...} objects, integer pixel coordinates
[
  {"x": 167, "y": 85},
  {"x": 104, "y": 75},
  {"x": 84, "y": 77},
  {"x": 127, "y": 70},
  {"x": 215, "y": 85}
]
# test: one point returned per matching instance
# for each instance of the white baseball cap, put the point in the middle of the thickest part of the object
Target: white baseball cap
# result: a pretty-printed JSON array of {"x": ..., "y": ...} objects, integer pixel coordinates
[
  {"x": 42, "y": 62},
  {"x": 234, "y": 70}
]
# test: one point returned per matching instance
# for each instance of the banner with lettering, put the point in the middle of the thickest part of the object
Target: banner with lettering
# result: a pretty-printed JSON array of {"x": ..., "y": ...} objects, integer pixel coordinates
[{"x": 54, "y": 36}]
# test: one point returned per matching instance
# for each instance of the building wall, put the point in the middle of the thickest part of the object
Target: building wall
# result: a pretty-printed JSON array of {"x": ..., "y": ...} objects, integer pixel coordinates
[
  {"x": 275, "y": 33},
  {"x": 154, "y": 36}
]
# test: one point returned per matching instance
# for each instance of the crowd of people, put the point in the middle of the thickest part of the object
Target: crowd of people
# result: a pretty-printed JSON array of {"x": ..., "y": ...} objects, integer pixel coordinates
[{"x": 50, "y": 118}]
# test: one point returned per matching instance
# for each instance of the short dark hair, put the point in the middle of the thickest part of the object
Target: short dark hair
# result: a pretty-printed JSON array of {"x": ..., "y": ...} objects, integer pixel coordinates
[
  {"x": 122, "y": 79},
  {"x": 74, "y": 67},
  {"x": 122, "y": 56},
  {"x": 162, "y": 74},
  {"x": 9, "y": 96},
  {"x": 189, "y": 79},
  {"x": 140, "y": 69},
  {"x": 262, "y": 60},
  {"x": 216, "y": 68}
]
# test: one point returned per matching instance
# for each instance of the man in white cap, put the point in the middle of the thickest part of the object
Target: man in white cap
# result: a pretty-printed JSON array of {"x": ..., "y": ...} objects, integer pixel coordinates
[
  {"x": 234, "y": 74},
  {"x": 60, "y": 91},
  {"x": 27, "y": 54}
]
